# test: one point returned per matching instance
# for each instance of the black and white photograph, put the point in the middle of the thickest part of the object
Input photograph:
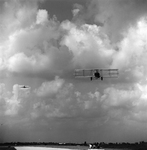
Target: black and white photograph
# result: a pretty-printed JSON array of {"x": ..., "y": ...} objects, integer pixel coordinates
[{"x": 73, "y": 74}]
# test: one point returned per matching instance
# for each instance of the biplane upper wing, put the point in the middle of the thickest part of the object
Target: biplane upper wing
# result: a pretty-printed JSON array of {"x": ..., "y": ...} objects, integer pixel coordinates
[
  {"x": 105, "y": 73},
  {"x": 83, "y": 73}
]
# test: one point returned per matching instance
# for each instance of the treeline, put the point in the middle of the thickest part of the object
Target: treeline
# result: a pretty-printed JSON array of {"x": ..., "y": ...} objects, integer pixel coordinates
[
  {"x": 132, "y": 146},
  {"x": 41, "y": 144}
]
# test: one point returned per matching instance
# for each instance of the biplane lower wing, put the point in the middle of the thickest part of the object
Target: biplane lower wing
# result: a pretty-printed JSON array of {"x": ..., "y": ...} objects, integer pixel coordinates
[{"x": 88, "y": 73}]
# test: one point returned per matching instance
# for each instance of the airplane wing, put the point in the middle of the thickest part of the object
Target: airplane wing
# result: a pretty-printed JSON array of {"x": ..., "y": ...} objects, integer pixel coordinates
[
  {"x": 109, "y": 73},
  {"x": 105, "y": 73},
  {"x": 83, "y": 73}
]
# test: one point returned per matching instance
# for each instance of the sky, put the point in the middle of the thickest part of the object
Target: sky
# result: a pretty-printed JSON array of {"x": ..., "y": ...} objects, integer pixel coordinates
[{"x": 42, "y": 42}]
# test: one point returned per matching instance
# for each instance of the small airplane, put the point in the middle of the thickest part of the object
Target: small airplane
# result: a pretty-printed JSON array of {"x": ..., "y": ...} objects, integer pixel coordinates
[
  {"x": 24, "y": 87},
  {"x": 96, "y": 73}
]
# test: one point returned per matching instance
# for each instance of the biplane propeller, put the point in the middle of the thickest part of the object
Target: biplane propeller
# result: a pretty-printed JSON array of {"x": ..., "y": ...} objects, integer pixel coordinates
[{"x": 96, "y": 73}]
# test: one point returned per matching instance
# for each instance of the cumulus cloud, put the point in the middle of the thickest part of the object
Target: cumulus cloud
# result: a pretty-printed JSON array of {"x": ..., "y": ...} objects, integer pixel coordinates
[
  {"x": 115, "y": 102},
  {"x": 35, "y": 45},
  {"x": 28, "y": 39},
  {"x": 132, "y": 52},
  {"x": 53, "y": 99},
  {"x": 116, "y": 105},
  {"x": 16, "y": 15},
  {"x": 75, "y": 12},
  {"x": 88, "y": 44},
  {"x": 91, "y": 48},
  {"x": 35, "y": 49},
  {"x": 117, "y": 16},
  {"x": 14, "y": 103},
  {"x": 20, "y": 63},
  {"x": 44, "y": 45},
  {"x": 50, "y": 88},
  {"x": 42, "y": 17}
]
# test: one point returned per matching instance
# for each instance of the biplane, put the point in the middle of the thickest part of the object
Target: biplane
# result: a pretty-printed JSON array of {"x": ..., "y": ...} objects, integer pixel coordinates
[
  {"x": 95, "y": 74},
  {"x": 24, "y": 87}
]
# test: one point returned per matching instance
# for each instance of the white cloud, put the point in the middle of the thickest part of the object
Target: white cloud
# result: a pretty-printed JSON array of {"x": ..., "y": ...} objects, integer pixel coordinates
[
  {"x": 75, "y": 12},
  {"x": 42, "y": 17},
  {"x": 50, "y": 88},
  {"x": 16, "y": 15},
  {"x": 132, "y": 47},
  {"x": 53, "y": 99},
  {"x": 46, "y": 48},
  {"x": 88, "y": 44},
  {"x": 15, "y": 102},
  {"x": 35, "y": 48},
  {"x": 21, "y": 63},
  {"x": 59, "y": 99},
  {"x": 46, "y": 110}
]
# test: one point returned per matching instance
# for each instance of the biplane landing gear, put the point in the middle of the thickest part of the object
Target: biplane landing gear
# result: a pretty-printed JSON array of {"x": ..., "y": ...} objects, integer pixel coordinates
[{"x": 91, "y": 78}]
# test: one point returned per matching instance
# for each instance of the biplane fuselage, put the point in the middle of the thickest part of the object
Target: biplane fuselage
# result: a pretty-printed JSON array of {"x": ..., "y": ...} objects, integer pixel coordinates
[{"x": 96, "y": 73}]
